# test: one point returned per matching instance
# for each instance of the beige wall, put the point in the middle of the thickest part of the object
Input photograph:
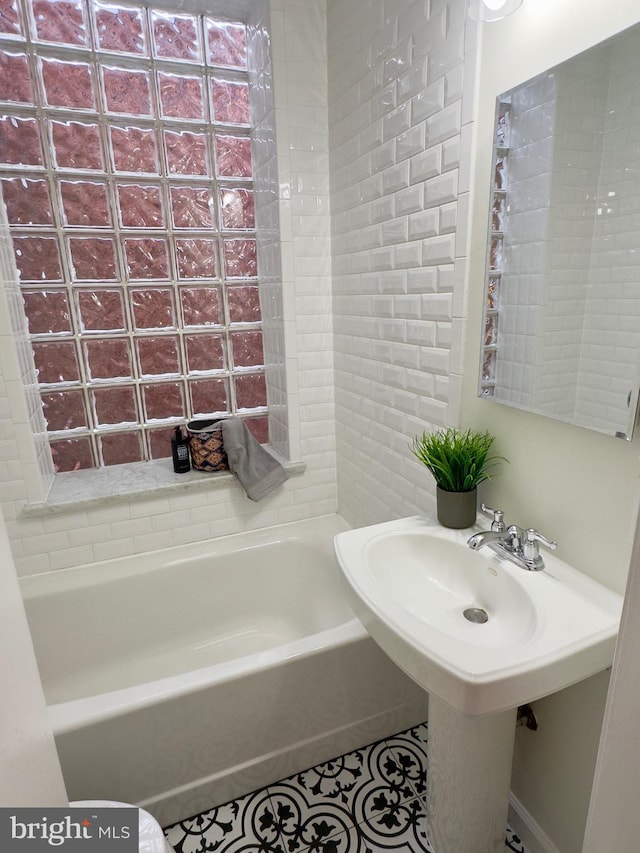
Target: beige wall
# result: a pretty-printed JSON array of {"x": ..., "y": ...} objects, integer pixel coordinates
[
  {"x": 614, "y": 819},
  {"x": 575, "y": 486}
]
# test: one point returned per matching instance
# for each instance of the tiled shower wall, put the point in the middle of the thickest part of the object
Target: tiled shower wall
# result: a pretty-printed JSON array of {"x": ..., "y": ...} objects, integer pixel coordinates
[
  {"x": 303, "y": 306},
  {"x": 400, "y": 136}
]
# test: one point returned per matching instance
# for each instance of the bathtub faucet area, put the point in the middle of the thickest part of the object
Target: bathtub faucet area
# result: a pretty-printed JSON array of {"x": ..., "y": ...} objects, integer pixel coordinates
[{"x": 512, "y": 542}]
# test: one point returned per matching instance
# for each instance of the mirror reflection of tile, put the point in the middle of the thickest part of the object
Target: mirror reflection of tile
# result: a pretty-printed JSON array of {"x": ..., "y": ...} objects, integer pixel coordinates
[{"x": 562, "y": 313}]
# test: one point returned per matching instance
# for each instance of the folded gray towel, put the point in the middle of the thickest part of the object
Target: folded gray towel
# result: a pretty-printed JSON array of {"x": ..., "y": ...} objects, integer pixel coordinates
[{"x": 256, "y": 469}]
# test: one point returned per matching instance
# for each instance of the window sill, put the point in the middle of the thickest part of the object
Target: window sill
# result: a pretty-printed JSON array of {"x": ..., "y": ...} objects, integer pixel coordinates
[{"x": 107, "y": 486}]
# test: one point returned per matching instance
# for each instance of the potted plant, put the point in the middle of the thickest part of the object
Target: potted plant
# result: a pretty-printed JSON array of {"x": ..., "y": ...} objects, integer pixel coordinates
[{"x": 459, "y": 461}]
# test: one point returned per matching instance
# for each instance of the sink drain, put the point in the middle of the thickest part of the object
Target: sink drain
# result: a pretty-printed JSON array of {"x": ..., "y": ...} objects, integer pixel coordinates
[{"x": 476, "y": 614}]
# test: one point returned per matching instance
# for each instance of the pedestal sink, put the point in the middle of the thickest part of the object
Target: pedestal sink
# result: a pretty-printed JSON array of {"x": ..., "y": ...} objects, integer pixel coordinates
[{"x": 482, "y": 636}]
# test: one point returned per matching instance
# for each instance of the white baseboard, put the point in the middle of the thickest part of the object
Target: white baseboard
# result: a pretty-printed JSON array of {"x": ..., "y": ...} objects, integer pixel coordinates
[{"x": 523, "y": 824}]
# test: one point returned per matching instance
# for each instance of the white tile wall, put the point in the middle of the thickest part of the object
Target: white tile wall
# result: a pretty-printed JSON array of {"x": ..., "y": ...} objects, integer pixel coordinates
[
  {"x": 399, "y": 186},
  {"x": 298, "y": 296}
]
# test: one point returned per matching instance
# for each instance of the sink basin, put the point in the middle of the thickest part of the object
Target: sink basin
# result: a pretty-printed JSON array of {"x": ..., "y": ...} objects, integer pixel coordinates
[
  {"x": 411, "y": 582},
  {"x": 437, "y": 580}
]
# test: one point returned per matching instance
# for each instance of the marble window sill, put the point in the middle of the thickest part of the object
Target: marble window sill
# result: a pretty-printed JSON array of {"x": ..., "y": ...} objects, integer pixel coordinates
[{"x": 106, "y": 486}]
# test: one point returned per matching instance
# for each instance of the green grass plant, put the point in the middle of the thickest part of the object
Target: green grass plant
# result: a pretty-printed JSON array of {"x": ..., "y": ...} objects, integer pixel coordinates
[{"x": 459, "y": 460}]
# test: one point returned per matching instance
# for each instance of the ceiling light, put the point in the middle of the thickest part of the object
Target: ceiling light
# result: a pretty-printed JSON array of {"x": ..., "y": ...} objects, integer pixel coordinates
[{"x": 492, "y": 10}]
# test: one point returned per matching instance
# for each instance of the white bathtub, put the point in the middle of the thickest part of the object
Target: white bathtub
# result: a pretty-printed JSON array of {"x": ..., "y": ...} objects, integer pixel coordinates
[{"x": 183, "y": 678}]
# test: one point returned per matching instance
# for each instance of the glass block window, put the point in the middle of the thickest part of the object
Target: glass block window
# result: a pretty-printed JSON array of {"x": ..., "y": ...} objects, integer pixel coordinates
[
  {"x": 491, "y": 314},
  {"x": 126, "y": 172}
]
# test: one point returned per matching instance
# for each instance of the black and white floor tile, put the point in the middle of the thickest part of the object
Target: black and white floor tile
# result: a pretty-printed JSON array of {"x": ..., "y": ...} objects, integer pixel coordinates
[{"x": 371, "y": 800}]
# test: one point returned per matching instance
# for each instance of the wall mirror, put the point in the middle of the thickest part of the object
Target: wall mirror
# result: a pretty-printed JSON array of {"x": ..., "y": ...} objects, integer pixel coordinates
[{"x": 561, "y": 333}]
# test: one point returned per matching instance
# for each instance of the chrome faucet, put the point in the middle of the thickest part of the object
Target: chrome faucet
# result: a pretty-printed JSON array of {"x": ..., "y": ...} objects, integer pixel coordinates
[{"x": 515, "y": 544}]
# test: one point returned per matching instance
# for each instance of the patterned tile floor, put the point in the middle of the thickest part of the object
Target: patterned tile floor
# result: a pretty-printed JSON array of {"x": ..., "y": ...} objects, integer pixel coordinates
[{"x": 372, "y": 799}]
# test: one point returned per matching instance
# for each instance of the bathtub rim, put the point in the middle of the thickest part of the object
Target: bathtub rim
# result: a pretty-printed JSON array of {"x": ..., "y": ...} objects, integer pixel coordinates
[{"x": 80, "y": 713}]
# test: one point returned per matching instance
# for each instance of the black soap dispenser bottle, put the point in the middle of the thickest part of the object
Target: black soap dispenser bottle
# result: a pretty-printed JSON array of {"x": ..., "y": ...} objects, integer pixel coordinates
[{"x": 180, "y": 452}]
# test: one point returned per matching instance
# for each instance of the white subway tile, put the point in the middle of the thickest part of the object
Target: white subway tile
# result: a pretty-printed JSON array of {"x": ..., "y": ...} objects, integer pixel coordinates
[
  {"x": 448, "y": 281},
  {"x": 396, "y": 177},
  {"x": 383, "y": 102},
  {"x": 444, "y": 334},
  {"x": 454, "y": 84},
  {"x": 390, "y": 329},
  {"x": 430, "y": 33},
  {"x": 425, "y": 165},
  {"x": 444, "y": 125},
  {"x": 370, "y": 238},
  {"x": 409, "y": 254},
  {"x": 422, "y": 280},
  {"x": 45, "y": 544},
  {"x": 422, "y": 384},
  {"x": 192, "y": 533},
  {"x": 408, "y": 200},
  {"x": 435, "y": 360},
  {"x": 427, "y": 103},
  {"x": 89, "y": 535},
  {"x": 435, "y": 412},
  {"x": 152, "y": 541},
  {"x": 411, "y": 142},
  {"x": 442, "y": 189},
  {"x": 421, "y": 332},
  {"x": 448, "y": 221},
  {"x": 424, "y": 224},
  {"x": 450, "y": 154},
  {"x": 371, "y": 137},
  {"x": 370, "y": 189},
  {"x": 436, "y": 306},
  {"x": 382, "y": 259},
  {"x": 397, "y": 122},
  {"x": 67, "y": 557},
  {"x": 413, "y": 81},
  {"x": 394, "y": 231},
  {"x": 31, "y": 565},
  {"x": 23, "y": 528},
  {"x": 407, "y": 306},
  {"x": 384, "y": 208},
  {"x": 438, "y": 250},
  {"x": 131, "y": 527},
  {"x": 406, "y": 355}
]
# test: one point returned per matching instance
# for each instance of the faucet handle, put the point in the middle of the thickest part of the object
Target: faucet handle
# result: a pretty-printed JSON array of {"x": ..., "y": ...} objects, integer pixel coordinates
[
  {"x": 497, "y": 524},
  {"x": 532, "y": 536},
  {"x": 530, "y": 550}
]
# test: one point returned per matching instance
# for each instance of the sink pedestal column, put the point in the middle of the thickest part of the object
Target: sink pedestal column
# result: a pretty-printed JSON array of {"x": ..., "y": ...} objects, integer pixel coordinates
[{"x": 468, "y": 779}]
